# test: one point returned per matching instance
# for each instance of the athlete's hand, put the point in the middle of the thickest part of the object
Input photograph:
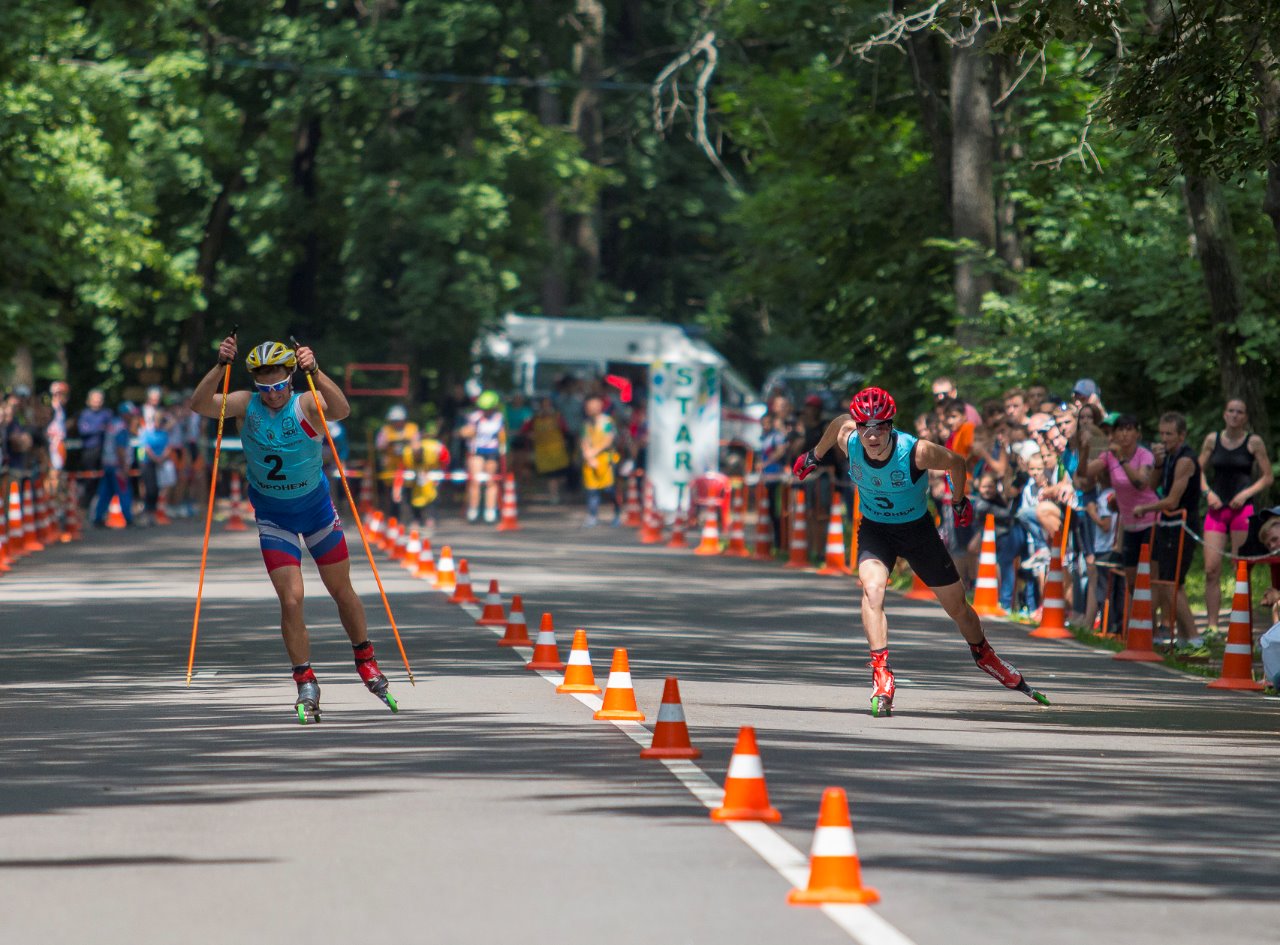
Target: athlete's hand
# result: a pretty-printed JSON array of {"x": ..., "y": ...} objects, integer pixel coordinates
[
  {"x": 227, "y": 350},
  {"x": 805, "y": 463},
  {"x": 306, "y": 360},
  {"x": 962, "y": 511}
]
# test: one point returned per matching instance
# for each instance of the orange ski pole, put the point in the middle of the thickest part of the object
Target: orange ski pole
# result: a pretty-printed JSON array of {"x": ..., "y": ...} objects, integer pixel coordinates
[
  {"x": 208, "y": 516},
  {"x": 355, "y": 513}
]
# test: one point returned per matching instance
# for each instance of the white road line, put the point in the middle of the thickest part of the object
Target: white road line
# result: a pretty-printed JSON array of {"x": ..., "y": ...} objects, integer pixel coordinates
[{"x": 860, "y": 922}]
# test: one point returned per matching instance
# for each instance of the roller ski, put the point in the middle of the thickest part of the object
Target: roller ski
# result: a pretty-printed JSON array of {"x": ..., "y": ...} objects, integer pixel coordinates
[
  {"x": 1004, "y": 673},
  {"x": 882, "y": 685},
  {"x": 374, "y": 680},
  {"x": 307, "y": 706}
]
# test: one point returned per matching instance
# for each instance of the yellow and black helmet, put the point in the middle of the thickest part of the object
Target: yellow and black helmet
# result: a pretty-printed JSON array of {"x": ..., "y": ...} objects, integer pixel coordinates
[{"x": 271, "y": 354}]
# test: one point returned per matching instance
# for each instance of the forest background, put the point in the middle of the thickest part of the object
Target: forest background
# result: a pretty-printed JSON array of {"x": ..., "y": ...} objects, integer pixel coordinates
[{"x": 1005, "y": 192}]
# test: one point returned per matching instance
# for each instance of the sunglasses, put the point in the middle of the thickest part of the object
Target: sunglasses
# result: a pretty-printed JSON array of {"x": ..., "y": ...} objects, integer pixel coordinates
[
  {"x": 273, "y": 388},
  {"x": 876, "y": 426}
]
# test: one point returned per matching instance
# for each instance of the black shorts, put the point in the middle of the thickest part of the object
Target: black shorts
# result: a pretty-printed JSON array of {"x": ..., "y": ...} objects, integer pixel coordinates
[
  {"x": 1164, "y": 553},
  {"x": 1131, "y": 549},
  {"x": 918, "y": 542}
]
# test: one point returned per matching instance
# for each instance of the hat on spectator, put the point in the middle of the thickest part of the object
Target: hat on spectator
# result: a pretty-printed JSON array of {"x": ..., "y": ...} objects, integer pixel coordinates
[
  {"x": 1110, "y": 419},
  {"x": 1124, "y": 420},
  {"x": 127, "y": 409},
  {"x": 1267, "y": 514},
  {"x": 813, "y": 400},
  {"x": 1086, "y": 387},
  {"x": 397, "y": 414}
]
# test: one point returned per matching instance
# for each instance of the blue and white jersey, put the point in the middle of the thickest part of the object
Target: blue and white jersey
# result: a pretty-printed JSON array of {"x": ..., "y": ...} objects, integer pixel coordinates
[
  {"x": 892, "y": 491},
  {"x": 282, "y": 450}
]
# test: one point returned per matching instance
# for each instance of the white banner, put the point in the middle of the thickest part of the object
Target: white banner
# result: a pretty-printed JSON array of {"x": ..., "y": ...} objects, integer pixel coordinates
[{"x": 684, "y": 428}]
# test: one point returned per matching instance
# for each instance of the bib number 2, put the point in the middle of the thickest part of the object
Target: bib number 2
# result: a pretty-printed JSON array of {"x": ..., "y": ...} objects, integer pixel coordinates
[{"x": 276, "y": 462}]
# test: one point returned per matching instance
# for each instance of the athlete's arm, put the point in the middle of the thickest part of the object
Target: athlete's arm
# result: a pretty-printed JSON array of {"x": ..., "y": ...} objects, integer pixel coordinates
[
  {"x": 837, "y": 433},
  {"x": 940, "y": 459},
  {"x": 1259, "y": 450},
  {"x": 332, "y": 399},
  {"x": 206, "y": 399}
]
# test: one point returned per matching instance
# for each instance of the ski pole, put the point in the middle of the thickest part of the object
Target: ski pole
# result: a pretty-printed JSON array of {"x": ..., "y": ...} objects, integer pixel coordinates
[
  {"x": 355, "y": 512},
  {"x": 208, "y": 517}
]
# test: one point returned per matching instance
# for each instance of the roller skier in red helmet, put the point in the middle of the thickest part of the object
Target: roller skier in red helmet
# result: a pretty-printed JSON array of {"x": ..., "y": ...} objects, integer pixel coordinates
[{"x": 890, "y": 468}]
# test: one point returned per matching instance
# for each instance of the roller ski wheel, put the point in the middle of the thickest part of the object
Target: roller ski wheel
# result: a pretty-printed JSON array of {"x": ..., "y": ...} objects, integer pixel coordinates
[
  {"x": 308, "y": 705},
  {"x": 1035, "y": 694},
  {"x": 882, "y": 688},
  {"x": 378, "y": 685},
  {"x": 881, "y": 707}
]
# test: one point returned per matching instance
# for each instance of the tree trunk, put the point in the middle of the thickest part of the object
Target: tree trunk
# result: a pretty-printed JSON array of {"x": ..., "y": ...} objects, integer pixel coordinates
[
  {"x": 302, "y": 292},
  {"x": 554, "y": 289},
  {"x": 929, "y": 77},
  {"x": 587, "y": 123},
  {"x": 973, "y": 206},
  {"x": 1220, "y": 264},
  {"x": 1266, "y": 71}
]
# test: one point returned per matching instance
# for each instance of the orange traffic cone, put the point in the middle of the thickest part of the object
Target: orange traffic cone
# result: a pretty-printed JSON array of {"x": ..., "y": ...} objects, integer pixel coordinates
[
  {"x": 986, "y": 596},
  {"x": 31, "y": 522},
  {"x": 377, "y": 530},
  {"x": 651, "y": 526},
  {"x": 115, "y": 514},
  {"x": 412, "y": 548},
  {"x": 631, "y": 513},
  {"x": 44, "y": 502},
  {"x": 401, "y": 550},
  {"x": 799, "y": 532},
  {"x": 764, "y": 525},
  {"x": 546, "y": 655},
  {"x": 578, "y": 675},
  {"x": 1237, "y": 660},
  {"x": 4, "y": 548},
  {"x": 619, "y": 697},
  {"x": 737, "y": 547},
  {"x": 835, "y": 557},
  {"x": 462, "y": 592},
  {"x": 1053, "y": 622},
  {"x": 391, "y": 536},
  {"x": 71, "y": 515},
  {"x": 517, "y": 632},
  {"x": 919, "y": 589},
  {"x": 746, "y": 796},
  {"x": 426, "y": 565},
  {"x": 492, "y": 616},
  {"x": 1138, "y": 641},
  {"x": 17, "y": 532},
  {"x": 367, "y": 497},
  {"x": 834, "y": 872},
  {"x": 446, "y": 577},
  {"x": 670, "y": 733},
  {"x": 235, "y": 523},
  {"x": 510, "y": 516},
  {"x": 710, "y": 544},
  {"x": 679, "y": 530}
]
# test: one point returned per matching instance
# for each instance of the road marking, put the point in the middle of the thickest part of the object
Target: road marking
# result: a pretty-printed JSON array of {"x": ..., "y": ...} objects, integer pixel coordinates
[{"x": 860, "y": 923}]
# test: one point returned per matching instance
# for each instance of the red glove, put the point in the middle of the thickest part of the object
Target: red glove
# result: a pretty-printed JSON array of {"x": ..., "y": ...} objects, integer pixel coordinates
[
  {"x": 805, "y": 463},
  {"x": 962, "y": 512}
]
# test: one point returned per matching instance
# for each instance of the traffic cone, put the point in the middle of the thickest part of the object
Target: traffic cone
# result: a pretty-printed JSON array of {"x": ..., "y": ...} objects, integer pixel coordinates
[
  {"x": 619, "y": 697},
  {"x": 631, "y": 513},
  {"x": 368, "y": 498},
  {"x": 71, "y": 515},
  {"x": 746, "y": 796},
  {"x": 919, "y": 589},
  {"x": 578, "y": 675},
  {"x": 48, "y": 524},
  {"x": 764, "y": 525},
  {"x": 31, "y": 522},
  {"x": 377, "y": 530},
  {"x": 835, "y": 562},
  {"x": 115, "y": 514},
  {"x": 1138, "y": 639},
  {"x": 834, "y": 872},
  {"x": 17, "y": 532},
  {"x": 517, "y": 632},
  {"x": 426, "y": 564},
  {"x": 710, "y": 544},
  {"x": 510, "y": 518},
  {"x": 235, "y": 523},
  {"x": 546, "y": 655},
  {"x": 670, "y": 733},
  {"x": 446, "y": 577},
  {"x": 1053, "y": 621},
  {"x": 462, "y": 592},
  {"x": 1237, "y": 659},
  {"x": 986, "y": 596},
  {"x": 412, "y": 548},
  {"x": 4, "y": 548},
  {"x": 799, "y": 532},
  {"x": 651, "y": 526},
  {"x": 737, "y": 547},
  {"x": 401, "y": 549},
  {"x": 492, "y": 616},
  {"x": 679, "y": 530}
]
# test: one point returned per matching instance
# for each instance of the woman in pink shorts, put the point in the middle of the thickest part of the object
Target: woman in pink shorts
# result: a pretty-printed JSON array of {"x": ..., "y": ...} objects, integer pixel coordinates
[{"x": 1233, "y": 455}]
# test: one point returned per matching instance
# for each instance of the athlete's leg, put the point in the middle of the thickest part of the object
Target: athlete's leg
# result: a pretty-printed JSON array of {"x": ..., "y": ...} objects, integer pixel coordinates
[
  {"x": 491, "y": 491},
  {"x": 287, "y": 580},
  {"x": 337, "y": 581},
  {"x": 475, "y": 466},
  {"x": 874, "y": 576},
  {"x": 952, "y": 599}
]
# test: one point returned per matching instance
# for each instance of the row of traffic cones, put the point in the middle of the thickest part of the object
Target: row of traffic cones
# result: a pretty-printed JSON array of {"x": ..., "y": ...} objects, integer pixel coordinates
[{"x": 31, "y": 522}]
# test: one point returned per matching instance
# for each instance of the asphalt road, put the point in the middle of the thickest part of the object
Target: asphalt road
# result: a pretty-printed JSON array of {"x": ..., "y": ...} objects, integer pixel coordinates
[{"x": 1141, "y": 807}]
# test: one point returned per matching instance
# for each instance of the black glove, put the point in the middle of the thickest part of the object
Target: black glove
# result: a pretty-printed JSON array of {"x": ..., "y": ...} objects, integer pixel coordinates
[
  {"x": 805, "y": 463},
  {"x": 962, "y": 512}
]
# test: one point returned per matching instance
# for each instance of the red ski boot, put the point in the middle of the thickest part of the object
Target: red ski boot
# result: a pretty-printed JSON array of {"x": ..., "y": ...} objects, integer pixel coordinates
[
  {"x": 882, "y": 685},
  {"x": 373, "y": 678},
  {"x": 1004, "y": 673}
]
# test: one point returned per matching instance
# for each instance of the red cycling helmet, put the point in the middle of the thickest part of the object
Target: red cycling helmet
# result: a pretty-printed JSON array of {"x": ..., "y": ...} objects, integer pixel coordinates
[{"x": 872, "y": 404}]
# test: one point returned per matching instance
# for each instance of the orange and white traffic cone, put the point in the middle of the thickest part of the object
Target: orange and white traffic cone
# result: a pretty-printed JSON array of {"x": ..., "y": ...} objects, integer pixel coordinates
[
  {"x": 631, "y": 512},
  {"x": 412, "y": 548},
  {"x": 670, "y": 733},
  {"x": 115, "y": 514},
  {"x": 368, "y": 499},
  {"x": 835, "y": 562},
  {"x": 446, "y": 576},
  {"x": 426, "y": 565},
  {"x": 517, "y": 631},
  {"x": 679, "y": 530},
  {"x": 1138, "y": 642},
  {"x": 651, "y": 527},
  {"x": 835, "y": 874},
  {"x": 31, "y": 521},
  {"x": 401, "y": 549},
  {"x": 462, "y": 592},
  {"x": 710, "y": 543},
  {"x": 546, "y": 654},
  {"x": 492, "y": 615},
  {"x": 235, "y": 520},
  {"x": 764, "y": 525},
  {"x": 619, "y": 697},
  {"x": 4, "y": 548},
  {"x": 986, "y": 595},
  {"x": 71, "y": 515},
  {"x": 578, "y": 675},
  {"x": 737, "y": 547},
  {"x": 1237, "y": 659},
  {"x": 377, "y": 530},
  {"x": 1053, "y": 620},
  {"x": 510, "y": 521},
  {"x": 799, "y": 532},
  {"x": 746, "y": 796},
  {"x": 17, "y": 531},
  {"x": 48, "y": 529}
]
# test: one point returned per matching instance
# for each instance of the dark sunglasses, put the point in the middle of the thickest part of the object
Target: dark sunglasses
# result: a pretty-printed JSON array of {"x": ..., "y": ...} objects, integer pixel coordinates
[
  {"x": 941, "y": 395},
  {"x": 876, "y": 426},
  {"x": 273, "y": 388}
]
